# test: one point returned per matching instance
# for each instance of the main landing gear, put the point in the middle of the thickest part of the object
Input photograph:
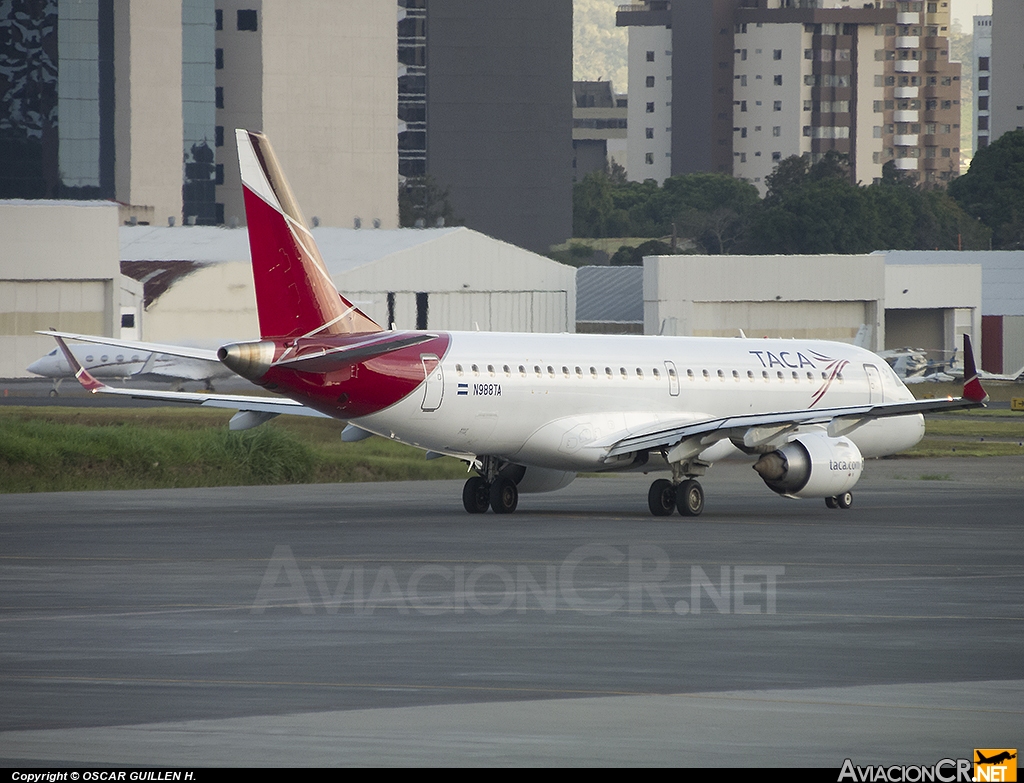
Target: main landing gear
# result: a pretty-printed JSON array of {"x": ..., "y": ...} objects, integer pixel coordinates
[
  {"x": 843, "y": 501},
  {"x": 490, "y": 489},
  {"x": 687, "y": 496}
]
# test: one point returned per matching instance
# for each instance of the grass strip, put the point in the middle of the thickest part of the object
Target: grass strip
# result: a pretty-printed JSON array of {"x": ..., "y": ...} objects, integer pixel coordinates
[{"x": 59, "y": 449}]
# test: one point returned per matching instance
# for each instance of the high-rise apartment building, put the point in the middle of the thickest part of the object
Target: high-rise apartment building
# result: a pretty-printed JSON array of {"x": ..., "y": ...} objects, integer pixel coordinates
[
  {"x": 318, "y": 77},
  {"x": 484, "y": 102},
  {"x": 1007, "y": 80},
  {"x": 136, "y": 100},
  {"x": 738, "y": 85},
  {"x": 91, "y": 101},
  {"x": 981, "y": 54},
  {"x": 598, "y": 127}
]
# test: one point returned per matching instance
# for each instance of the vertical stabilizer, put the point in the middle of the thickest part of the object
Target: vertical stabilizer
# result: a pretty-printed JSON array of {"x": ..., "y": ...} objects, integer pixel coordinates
[{"x": 295, "y": 296}]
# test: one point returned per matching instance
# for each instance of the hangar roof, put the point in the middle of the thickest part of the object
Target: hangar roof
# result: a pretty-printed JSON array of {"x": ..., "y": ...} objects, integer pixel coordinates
[{"x": 342, "y": 248}]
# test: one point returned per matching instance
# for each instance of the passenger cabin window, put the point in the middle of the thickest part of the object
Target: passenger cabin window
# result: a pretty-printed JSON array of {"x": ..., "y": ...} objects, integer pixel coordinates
[{"x": 476, "y": 370}]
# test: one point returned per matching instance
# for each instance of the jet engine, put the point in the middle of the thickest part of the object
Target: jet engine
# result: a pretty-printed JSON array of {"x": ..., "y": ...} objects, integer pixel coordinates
[{"x": 812, "y": 465}]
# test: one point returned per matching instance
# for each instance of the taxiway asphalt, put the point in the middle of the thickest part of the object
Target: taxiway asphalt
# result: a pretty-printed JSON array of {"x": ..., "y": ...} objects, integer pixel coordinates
[{"x": 380, "y": 624}]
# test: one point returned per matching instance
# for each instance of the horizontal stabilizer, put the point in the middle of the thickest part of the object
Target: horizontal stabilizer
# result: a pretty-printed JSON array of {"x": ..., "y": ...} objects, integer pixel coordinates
[
  {"x": 240, "y": 402},
  {"x": 329, "y": 359}
]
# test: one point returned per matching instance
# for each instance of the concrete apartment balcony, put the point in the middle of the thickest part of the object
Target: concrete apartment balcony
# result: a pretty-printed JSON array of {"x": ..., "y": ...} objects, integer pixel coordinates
[
  {"x": 908, "y": 18},
  {"x": 910, "y": 140},
  {"x": 906, "y": 115},
  {"x": 906, "y": 164},
  {"x": 908, "y": 66},
  {"x": 907, "y": 92},
  {"x": 908, "y": 42}
]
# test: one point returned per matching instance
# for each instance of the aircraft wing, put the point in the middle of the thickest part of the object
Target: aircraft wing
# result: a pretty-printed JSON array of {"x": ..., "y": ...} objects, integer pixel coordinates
[
  {"x": 759, "y": 428},
  {"x": 270, "y": 406},
  {"x": 755, "y": 428},
  {"x": 206, "y": 354}
]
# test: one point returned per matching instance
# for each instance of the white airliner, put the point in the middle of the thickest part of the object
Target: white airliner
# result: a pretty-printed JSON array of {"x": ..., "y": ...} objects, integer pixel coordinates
[
  {"x": 529, "y": 411},
  {"x": 121, "y": 359}
]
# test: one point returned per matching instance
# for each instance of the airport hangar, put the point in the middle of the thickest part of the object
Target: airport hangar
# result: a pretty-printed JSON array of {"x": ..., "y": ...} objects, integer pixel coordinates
[
  {"x": 440, "y": 278},
  {"x": 58, "y": 268},
  {"x": 927, "y": 303},
  {"x": 1002, "y": 299}
]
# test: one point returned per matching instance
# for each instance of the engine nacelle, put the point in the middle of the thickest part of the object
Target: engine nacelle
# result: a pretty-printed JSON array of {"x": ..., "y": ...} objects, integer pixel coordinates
[
  {"x": 812, "y": 465},
  {"x": 533, "y": 480}
]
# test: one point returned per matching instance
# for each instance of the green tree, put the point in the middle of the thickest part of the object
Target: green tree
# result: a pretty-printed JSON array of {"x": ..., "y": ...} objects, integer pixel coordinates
[
  {"x": 634, "y": 256},
  {"x": 993, "y": 190}
]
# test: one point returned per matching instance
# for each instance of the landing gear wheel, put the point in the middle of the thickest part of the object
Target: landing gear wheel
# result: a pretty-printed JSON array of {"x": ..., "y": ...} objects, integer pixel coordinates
[
  {"x": 845, "y": 500},
  {"x": 476, "y": 495},
  {"x": 661, "y": 498},
  {"x": 504, "y": 496},
  {"x": 54, "y": 392},
  {"x": 690, "y": 498},
  {"x": 832, "y": 502}
]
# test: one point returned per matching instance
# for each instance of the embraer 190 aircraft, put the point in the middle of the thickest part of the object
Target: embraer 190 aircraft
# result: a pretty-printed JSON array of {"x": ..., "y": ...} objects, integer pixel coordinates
[{"x": 528, "y": 411}]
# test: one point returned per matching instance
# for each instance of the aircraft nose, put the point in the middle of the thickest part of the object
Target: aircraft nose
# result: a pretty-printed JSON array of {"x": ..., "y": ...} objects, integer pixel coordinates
[{"x": 38, "y": 367}]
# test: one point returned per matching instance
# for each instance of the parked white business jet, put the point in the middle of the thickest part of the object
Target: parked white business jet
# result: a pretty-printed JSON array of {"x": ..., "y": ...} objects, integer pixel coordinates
[
  {"x": 528, "y": 411},
  {"x": 118, "y": 359}
]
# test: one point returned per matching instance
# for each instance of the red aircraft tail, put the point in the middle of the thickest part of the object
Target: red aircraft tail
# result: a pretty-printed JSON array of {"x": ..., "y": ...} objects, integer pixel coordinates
[
  {"x": 295, "y": 296},
  {"x": 973, "y": 390}
]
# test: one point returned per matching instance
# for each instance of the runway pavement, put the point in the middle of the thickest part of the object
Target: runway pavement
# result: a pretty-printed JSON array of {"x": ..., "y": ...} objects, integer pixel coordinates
[{"x": 380, "y": 624}]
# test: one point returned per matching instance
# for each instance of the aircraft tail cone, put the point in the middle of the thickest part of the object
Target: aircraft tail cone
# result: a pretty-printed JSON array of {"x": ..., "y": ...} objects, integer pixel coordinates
[{"x": 250, "y": 360}]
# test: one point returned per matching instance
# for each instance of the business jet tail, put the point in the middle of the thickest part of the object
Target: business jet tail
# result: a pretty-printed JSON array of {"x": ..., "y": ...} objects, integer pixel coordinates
[{"x": 295, "y": 296}]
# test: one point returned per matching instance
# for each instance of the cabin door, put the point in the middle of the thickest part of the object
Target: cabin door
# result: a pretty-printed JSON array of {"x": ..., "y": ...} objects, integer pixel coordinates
[
  {"x": 433, "y": 382},
  {"x": 875, "y": 394}
]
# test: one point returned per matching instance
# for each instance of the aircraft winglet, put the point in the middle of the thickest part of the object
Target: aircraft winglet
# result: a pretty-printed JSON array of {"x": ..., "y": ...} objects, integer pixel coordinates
[
  {"x": 81, "y": 374},
  {"x": 973, "y": 390}
]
